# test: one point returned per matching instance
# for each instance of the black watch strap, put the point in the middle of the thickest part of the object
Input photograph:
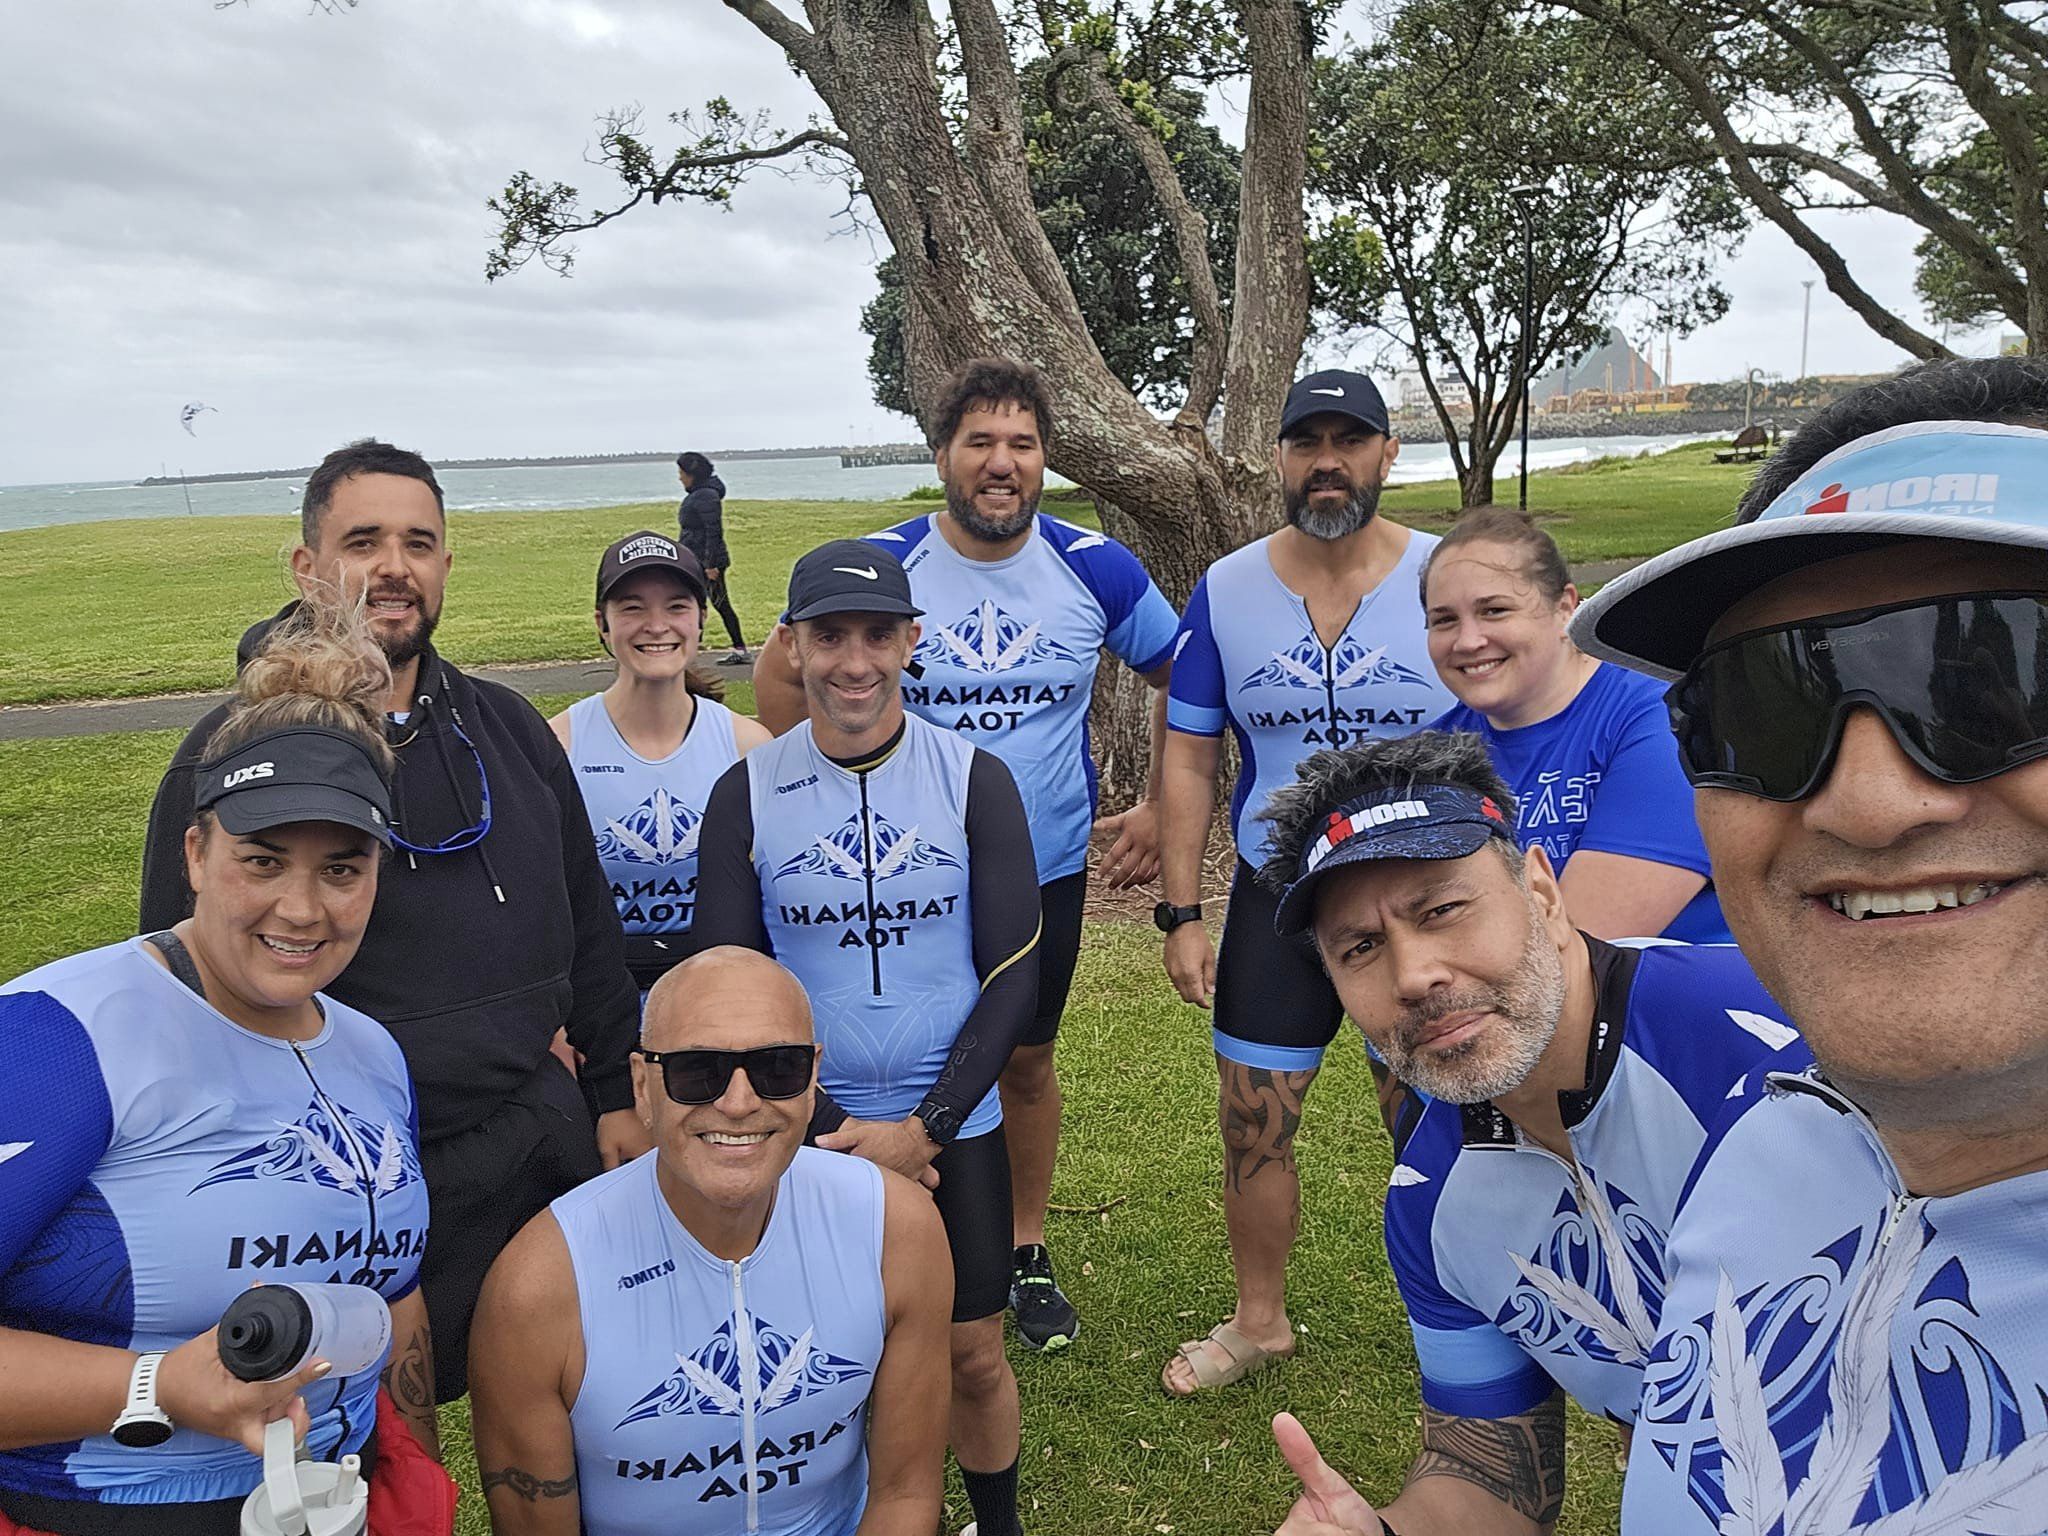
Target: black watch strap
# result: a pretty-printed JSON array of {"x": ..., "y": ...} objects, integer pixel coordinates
[
  {"x": 941, "y": 1122},
  {"x": 1166, "y": 917}
]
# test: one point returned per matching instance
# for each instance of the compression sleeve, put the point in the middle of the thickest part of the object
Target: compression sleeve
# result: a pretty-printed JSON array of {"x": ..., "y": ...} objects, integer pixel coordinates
[
  {"x": 604, "y": 1005},
  {"x": 1194, "y": 697},
  {"x": 56, "y": 1120},
  {"x": 728, "y": 907},
  {"x": 1643, "y": 806},
  {"x": 1003, "y": 896}
]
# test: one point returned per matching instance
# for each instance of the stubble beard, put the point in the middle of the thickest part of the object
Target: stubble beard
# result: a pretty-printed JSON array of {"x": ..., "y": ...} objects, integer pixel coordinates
[
  {"x": 1359, "y": 508},
  {"x": 989, "y": 530},
  {"x": 1529, "y": 1004}
]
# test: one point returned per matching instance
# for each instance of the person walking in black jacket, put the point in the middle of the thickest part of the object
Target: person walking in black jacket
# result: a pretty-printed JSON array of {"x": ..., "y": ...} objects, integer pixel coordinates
[
  {"x": 494, "y": 926},
  {"x": 701, "y": 518}
]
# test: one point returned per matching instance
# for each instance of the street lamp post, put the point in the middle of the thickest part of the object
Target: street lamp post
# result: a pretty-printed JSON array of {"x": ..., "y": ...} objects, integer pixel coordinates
[
  {"x": 1524, "y": 196},
  {"x": 1748, "y": 386},
  {"x": 1805, "y": 320}
]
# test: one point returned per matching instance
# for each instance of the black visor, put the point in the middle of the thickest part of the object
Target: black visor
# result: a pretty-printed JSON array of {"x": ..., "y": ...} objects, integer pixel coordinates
[
  {"x": 302, "y": 773},
  {"x": 1961, "y": 683}
]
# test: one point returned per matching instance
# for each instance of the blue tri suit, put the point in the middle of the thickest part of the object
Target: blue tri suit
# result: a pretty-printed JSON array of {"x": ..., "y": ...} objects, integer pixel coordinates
[
  {"x": 720, "y": 1396},
  {"x": 156, "y": 1160},
  {"x": 1009, "y": 655},
  {"x": 1523, "y": 1273},
  {"x": 1603, "y": 774},
  {"x": 1838, "y": 1348}
]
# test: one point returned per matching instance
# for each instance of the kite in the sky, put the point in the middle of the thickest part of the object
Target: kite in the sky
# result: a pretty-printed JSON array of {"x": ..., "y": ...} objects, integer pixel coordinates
[{"x": 190, "y": 414}]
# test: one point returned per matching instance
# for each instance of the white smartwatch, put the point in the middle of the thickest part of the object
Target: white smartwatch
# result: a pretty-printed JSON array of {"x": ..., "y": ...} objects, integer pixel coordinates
[{"x": 142, "y": 1424}]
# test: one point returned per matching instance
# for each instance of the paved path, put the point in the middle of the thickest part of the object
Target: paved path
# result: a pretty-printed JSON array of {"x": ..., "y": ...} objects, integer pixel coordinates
[{"x": 177, "y": 711}]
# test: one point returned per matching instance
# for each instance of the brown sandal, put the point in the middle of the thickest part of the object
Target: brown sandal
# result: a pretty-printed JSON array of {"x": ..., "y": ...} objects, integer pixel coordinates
[{"x": 1245, "y": 1358}]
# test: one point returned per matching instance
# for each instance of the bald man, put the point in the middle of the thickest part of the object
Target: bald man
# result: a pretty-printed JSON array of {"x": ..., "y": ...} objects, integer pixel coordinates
[{"x": 732, "y": 1333}]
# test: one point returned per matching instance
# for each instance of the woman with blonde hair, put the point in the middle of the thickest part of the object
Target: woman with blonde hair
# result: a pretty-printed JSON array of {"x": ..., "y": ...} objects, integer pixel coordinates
[
  {"x": 1586, "y": 747},
  {"x": 186, "y": 1114}
]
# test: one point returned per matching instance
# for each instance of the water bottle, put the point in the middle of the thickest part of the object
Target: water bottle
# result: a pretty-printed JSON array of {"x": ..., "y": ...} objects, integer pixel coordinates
[{"x": 273, "y": 1330}]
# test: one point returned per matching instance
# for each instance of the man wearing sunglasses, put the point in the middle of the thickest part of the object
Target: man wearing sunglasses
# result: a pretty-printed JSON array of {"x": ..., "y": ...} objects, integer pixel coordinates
[
  {"x": 1851, "y": 1337},
  {"x": 735, "y": 1334},
  {"x": 494, "y": 925},
  {"x": 888, "y": 863},
  {"x": 1570, "y": 1085}
]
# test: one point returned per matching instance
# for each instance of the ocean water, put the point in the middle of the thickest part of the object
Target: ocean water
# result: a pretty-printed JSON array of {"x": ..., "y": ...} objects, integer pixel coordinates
[{"x": 528, "y": 489}]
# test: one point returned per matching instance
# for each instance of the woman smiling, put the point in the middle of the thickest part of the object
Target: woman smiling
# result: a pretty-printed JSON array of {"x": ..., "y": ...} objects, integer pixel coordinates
[{"x": 1585, "y": 746}]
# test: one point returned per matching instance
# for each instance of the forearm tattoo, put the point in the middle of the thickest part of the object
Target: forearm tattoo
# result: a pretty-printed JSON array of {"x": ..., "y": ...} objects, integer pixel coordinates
[
  {"x": 1394, "y": 1096},
  {"x": 409, "y": 1378},
  {"x": 1520, "y": 1461},
  {"x": 1261, "y": 1113},
  {"x": 527, "y": 1486}
]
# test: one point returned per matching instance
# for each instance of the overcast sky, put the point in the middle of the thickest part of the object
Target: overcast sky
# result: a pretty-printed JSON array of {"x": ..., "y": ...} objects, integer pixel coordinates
[{"x": 282, "y": 215}]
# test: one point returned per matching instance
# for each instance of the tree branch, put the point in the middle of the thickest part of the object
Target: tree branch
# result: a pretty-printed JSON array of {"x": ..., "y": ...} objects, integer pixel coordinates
[
  {"x": 1190, "y": 229},
  {"x": 2018, "y": 141},
  {"x": 780, "y": 28},
  {"x": 1874, "y": 194}
]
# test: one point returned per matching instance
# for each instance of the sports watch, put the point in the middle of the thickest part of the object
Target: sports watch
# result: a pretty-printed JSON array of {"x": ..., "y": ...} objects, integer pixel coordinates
[
  {"x": 1166, "y": 917},
  {"x": 142, "y": 1424},
  {"x": 941, "y": 1123}
]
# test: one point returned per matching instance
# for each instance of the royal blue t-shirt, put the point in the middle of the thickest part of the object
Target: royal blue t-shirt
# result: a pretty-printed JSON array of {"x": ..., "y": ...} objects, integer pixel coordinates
[{"x": 1603, "y": 774}]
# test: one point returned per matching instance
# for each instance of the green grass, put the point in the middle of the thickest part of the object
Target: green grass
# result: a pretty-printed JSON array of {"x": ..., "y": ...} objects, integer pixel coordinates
[
  {"x": 1104, "y": 1450},
  {"x": 518, "y": 590}
]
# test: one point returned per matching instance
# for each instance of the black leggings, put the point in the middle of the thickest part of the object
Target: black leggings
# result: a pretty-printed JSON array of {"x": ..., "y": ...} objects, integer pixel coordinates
[
  {"x": 1275, "y": 1007},
  {"x": 1060, "y": 904},
  {"x": 720, "y": 599},
  {"x": 973, "y": 1198}
]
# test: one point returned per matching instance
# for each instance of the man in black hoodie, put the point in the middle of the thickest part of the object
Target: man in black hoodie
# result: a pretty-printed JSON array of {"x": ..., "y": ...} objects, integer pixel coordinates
[
  {"x": 701, "y": 519},
  {"x": 494, "y": 926}
]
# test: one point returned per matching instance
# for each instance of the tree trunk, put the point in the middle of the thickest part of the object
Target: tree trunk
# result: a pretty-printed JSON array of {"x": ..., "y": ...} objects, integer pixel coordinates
[{"x": 1475, "y": 486}]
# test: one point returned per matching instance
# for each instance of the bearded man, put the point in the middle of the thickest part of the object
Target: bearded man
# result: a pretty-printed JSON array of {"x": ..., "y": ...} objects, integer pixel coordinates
[{"x": 1311, "y": 637}]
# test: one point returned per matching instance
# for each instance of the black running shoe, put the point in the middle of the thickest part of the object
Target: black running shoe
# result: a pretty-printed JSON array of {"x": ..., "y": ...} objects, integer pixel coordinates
[{"x": 1045, "y": 1318}]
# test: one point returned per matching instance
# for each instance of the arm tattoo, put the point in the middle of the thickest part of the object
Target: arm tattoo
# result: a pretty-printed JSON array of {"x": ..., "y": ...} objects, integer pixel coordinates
[
  {"x": 1261, "y": 1112},
  {"x": 527, "y": 1486},
  {"x": 1396, "y": 1097},
  {"x": 1520, "y": 1461},
  {"x": 409, "y": 1378}
]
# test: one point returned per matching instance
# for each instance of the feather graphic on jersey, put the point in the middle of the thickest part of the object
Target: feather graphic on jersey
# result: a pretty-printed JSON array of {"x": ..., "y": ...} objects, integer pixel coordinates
[
  {"x": 714, "y": 1379},
  {"x": 1751, "y": 1468},
  {"x": 1858, "y": 1421},
  {"x": 9, "y": 1150},
  {"x": 1404, "y": 1177},
  {"x": 895, "y": 852},
  {"x": 390, "y": 1162},
  {"x": 1999, "y": 1497},
  {"x": 660, "y": 830},
  {"x": 986, "y": 639},
  {"x": 314, "y": 1150},
  {"x": 1621, "y": 1271},
  {"x": 1351, "y": 664},
  {"x": 1584, "y": 1308}
]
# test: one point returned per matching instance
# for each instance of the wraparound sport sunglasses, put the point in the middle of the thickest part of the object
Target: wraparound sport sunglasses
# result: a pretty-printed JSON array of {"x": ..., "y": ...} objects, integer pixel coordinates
[
  {"x": 1960, "y": 682},
  {"x": 701, "y": 1076}
]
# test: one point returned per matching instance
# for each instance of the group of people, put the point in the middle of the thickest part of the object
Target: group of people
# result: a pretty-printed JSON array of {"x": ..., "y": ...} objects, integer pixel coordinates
[{"x": 613, "y": 1050}]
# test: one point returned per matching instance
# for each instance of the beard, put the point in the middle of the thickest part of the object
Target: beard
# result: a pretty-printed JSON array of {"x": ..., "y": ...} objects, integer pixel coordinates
[
  {"x": 1359, "y": 508},
  {"x": 1528, "y": 1005},
  {"x": 990, "y": 530},
  {"x": 411, "y": 642}
]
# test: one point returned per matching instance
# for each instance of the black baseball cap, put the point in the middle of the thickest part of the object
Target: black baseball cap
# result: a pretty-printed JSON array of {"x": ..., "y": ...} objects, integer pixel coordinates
[
  {"x": 848, "y": 576},
  {"x": 1338, "y": 391},
  {"x": 645, "y": 551},
  {"x": 1413, "y": 821},
  {"x": 300, "y": 773}
]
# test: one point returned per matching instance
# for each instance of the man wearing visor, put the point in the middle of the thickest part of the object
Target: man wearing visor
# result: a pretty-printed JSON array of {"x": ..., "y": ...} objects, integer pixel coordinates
[
  {"x": 1851, "y": 1336},
  {"x": 734, "y": 1334},
  {"x": 1571, "y": 1083}
]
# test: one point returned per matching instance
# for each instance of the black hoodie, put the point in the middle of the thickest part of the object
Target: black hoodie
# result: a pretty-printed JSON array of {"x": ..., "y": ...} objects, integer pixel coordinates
[
  {"x": 472, "y": 986},
  {"x": 701, "y": 521}
]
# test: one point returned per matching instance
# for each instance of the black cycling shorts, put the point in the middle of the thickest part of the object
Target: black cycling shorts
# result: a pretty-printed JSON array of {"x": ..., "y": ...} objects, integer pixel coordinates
[
  {"x": 973, "y": 1198},
  {"x": 1274, "y": 1006},
  {"x": 1059, "y": 950}
]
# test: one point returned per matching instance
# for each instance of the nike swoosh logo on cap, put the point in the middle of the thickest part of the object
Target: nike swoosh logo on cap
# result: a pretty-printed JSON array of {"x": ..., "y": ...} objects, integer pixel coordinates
[
  {"x": 1337, "y": 392},
  {"x": 853, "y": 570}
]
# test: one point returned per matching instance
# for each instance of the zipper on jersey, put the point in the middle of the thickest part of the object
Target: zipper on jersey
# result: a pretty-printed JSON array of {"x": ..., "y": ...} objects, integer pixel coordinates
[
  {"x": 867, "y": 869},
  {"x": 750, "y": 1392}
]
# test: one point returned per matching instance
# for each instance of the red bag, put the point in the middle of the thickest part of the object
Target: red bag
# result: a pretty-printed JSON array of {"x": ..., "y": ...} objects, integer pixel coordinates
[
  {"x": 9, "y": 1528},
  {"x": 410, "y": 1492}
]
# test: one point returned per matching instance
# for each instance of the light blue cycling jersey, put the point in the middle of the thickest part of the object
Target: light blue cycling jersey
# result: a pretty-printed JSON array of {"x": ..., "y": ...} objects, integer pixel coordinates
[
  {"x": 156, "y": 1159},
  {"x": 1009, "y": 654},
  {"x": 721, "y": 1397},
  {"x": 1835, "y": 1355},
  {"x": 644, "y": 814},
  {"x": 1247, "y": 655},
  {"x": 865, "y": 896},
  {"x": 1523, "y": 1273}
]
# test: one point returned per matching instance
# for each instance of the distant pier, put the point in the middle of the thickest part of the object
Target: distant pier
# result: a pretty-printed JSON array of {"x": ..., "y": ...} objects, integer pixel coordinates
[{"x": 888, "y": 453}]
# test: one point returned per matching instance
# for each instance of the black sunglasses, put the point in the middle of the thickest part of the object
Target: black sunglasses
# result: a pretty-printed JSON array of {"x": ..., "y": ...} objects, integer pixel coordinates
[
  {"x": 700, "y": 1076},
  {"x": 1960, "y": 682}
]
